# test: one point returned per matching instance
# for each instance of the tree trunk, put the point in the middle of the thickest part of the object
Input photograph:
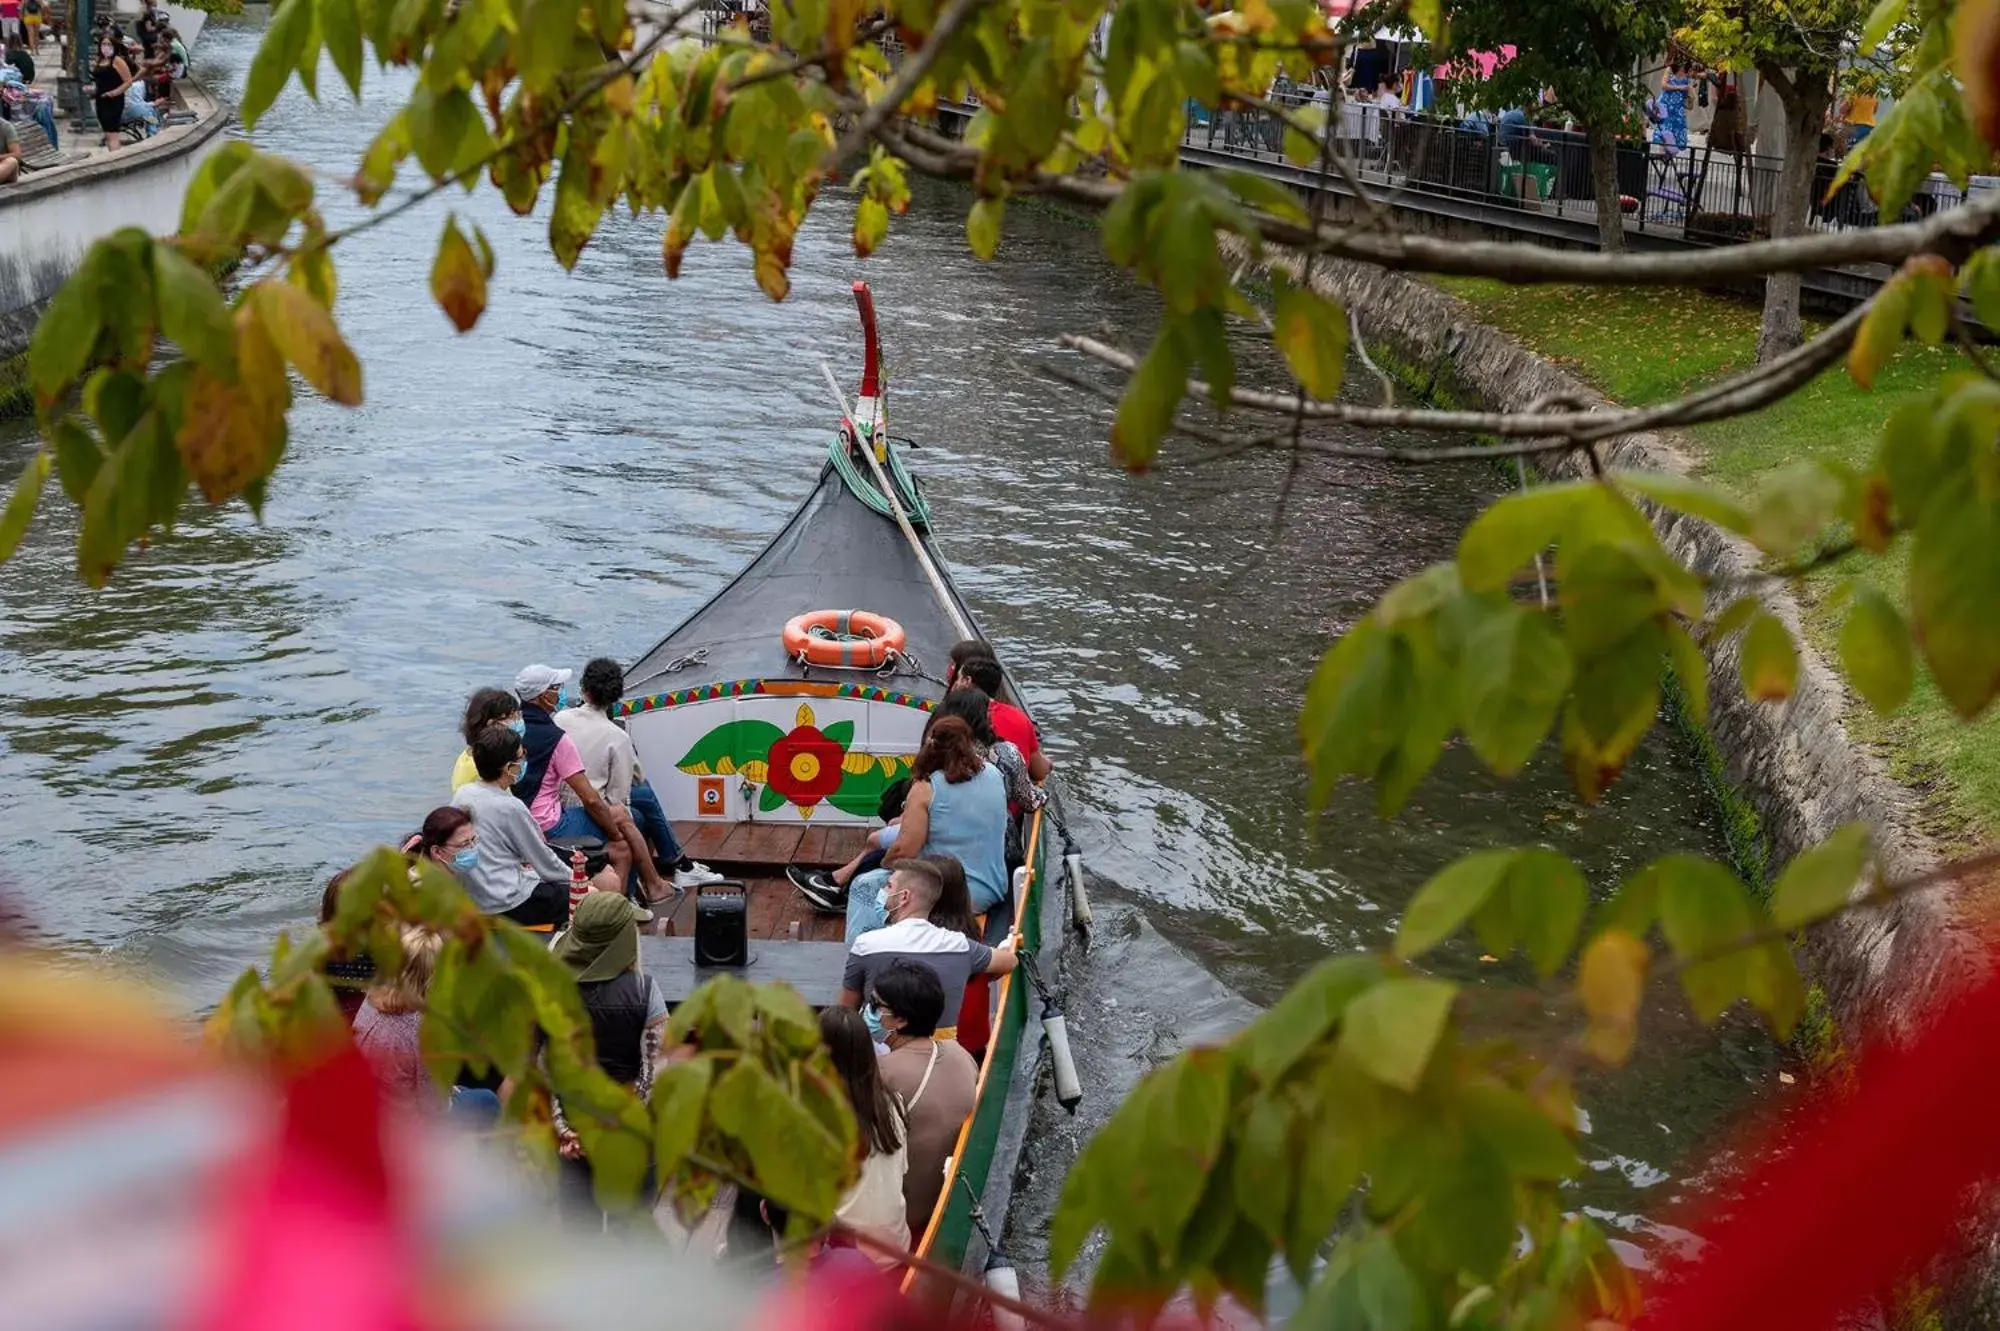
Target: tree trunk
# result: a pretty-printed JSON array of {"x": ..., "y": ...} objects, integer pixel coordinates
[
  {"x": 1805, "y": 95},
  {"x": 1604, "y": 174}
]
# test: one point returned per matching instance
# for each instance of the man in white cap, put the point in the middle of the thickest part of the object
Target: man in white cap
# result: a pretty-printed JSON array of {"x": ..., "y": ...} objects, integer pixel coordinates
[{"x": 555, "y": 763}]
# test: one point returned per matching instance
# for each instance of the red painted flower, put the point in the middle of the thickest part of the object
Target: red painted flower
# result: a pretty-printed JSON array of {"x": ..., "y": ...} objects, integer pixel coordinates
[{"x": 805, "y": 764}]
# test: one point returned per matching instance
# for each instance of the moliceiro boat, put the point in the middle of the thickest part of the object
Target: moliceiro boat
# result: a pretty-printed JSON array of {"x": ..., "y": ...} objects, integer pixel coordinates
[{"x": 772, "y": 723}]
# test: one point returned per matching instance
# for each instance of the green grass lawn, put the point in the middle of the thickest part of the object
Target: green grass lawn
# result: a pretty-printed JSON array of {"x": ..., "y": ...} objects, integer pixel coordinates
[{"x": 1640, "y": 346}]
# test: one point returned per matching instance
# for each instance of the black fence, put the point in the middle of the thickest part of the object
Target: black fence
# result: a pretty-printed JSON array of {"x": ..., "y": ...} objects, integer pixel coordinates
[{"x": 1700, "y": 193}]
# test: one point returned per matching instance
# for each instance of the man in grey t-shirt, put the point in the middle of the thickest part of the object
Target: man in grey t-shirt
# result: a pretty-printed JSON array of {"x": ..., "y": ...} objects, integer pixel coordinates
[{"x": 913, "y": 891}]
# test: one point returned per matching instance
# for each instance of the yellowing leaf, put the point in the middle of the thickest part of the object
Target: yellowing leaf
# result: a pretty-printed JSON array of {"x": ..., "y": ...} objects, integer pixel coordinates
[
  {"x": 1610, "y": 979},
  {"x": 982, "y": 226},
  {"x": 871, "y": 226},
  {"x": 231, "y": 433},
  {"x": 458, "y": 282},
  {"x": 1770, "y": 663},
  {"x": 1311, "y": 332},
  {"x": 305, "y": 332},
  {"x": 1881, "y": 332},
  {"x": 1151, "y": 398}
]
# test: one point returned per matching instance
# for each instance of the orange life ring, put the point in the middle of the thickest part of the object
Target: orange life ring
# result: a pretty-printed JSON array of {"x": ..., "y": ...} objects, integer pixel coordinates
[{"x": 854, "y": 638}]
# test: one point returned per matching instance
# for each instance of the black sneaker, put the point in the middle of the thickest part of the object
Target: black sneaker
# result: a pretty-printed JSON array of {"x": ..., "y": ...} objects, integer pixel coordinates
[{"x": 819, "y": 888}]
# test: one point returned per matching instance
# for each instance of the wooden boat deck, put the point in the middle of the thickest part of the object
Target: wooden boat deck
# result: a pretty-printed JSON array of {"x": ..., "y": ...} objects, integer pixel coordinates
[{"x": 756, "y": 854}]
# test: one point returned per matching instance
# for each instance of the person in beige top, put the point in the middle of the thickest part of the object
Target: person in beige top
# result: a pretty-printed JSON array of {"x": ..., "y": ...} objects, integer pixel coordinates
[
  {"x": 612, "y": 766},
  {"x": 935, "y": 1079}
]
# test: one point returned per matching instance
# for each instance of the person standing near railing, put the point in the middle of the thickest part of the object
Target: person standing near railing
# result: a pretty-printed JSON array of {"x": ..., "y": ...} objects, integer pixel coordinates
[{"x": 1672, "y": 131}]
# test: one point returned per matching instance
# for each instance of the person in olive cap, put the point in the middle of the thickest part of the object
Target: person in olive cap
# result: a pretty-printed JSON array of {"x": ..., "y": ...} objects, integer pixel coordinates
[
  {"x": 628, "y": 1015},
  {"x": 627, "y": 1010}
]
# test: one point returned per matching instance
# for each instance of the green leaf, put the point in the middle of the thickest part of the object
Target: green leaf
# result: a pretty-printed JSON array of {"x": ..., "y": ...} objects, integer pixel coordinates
[
  {"x": 1329, "y": 1166},
  {"x": 680, "y": 1094},
  {"x": 1429, "y": 16},
  {"x": 437, "y": 125},
  {"x": 1275, "y": 1042},
  {"x": 1390, "y": 1030},
  {"x": 1513, "y": 674},
  {"x": 1311, "y": 332},
  {"x": 1265, "y": 194},
  {"x": 793, "y": 1160},
  {"x": 1690, "y": 669},
  {"x": 1503, "y": 539},
  {"x": 77, "y": 457},
  {"x": 840, "y": 732},
  {"x": 1548, "y": 896},
  {"x": 1519, "y": 1132},
  {"x": 1875, "y": 650},
  {"x": 1386, "y": 1290},
  {"x": 1303, "y": 148},
  {"x": 1152, "y": 397},
  {"x": 1684, "y": 494},
  {"x": 1443, "y": 904},
  {"x": 769, "y": 798},
  {"x": 1264, "y": 1166},
  {"x": 1704, "y": 908},
  {"x": 1979, "y": 280},
  {"x": 1817, "y": 883},
  {"x": 860, "y": 793},
  {"x": 1210, "y": 340},
  {"x": 545, "y": 41},
  {"x": 982, "y": 226},
  {"x": 574, "y": 218},
  {"x": 726, "y": 748},
  {"x": 66, "y": 334},
  {"x": 1953, "y": 588},
  {"x": 340, "y": 25},
  {"x": 1881, "y": 20},
  {"x": 1769, "y": 662},
  {"x": 1794, "y": 505},
  {"x": 277, "y": 56},
  {"x": 192, "y": 313},
  {"x": 20, "y": 510},
  {"x": 1181, "y": 1123}
]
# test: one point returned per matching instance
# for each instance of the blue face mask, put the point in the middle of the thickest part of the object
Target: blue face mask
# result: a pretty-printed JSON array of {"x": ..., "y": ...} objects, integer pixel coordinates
[
  {"x": 465, "y": 861},
  {"x": 564, "y": 698},
  {"x": 875, "y": 1026},
  {"x": 518, "y": 725}
]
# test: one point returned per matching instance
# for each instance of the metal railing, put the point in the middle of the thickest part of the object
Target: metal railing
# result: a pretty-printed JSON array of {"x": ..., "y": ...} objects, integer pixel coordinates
[{"x": 1698, "y": 193}]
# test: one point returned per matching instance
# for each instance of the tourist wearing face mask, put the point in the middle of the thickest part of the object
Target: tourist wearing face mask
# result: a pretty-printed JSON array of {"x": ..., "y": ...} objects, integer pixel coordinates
[
  {"x": 111, "y": 77},
  {"x": 448, "y": 840},
  {"x": 513, "y": 871},
  {"x": 555, "y": 765}
]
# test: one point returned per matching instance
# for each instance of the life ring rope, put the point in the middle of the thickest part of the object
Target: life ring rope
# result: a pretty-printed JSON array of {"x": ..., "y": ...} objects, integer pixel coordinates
[{"x": 843, "y": 639}]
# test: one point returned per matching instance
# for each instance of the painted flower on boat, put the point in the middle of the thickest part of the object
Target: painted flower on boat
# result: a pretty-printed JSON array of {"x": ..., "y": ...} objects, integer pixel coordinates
[{"x": 805, "y": 765}]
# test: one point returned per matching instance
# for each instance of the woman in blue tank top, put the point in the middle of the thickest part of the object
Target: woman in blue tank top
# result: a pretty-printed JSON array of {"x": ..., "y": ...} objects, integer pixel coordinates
[{"x": 957, "y": 807}]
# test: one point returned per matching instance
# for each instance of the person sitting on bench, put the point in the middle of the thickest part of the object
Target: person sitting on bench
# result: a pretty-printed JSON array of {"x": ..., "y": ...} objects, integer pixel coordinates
[{"x": 514, "y": 871}]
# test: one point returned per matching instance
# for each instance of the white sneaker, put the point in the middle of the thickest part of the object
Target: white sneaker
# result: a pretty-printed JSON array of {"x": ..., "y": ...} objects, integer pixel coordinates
[{"x": 696, "y": 875}]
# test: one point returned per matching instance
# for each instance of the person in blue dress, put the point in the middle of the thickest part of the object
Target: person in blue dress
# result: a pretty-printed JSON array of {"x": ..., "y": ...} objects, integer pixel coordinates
[{"x": 1672, "y": 130}]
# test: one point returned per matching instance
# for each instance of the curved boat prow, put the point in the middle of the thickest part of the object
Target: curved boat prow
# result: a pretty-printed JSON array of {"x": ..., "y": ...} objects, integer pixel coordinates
[{"x": 867, "y": 409}]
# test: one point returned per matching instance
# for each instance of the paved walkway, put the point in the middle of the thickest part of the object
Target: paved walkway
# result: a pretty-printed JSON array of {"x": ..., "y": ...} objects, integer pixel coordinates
[{"x": 48, "y": 67}]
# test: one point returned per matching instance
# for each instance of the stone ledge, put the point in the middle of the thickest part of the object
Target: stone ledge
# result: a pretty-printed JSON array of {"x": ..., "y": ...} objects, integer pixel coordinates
[
  {"x": 1885, "y": 964},
  {"x": 211, "y": 118}
]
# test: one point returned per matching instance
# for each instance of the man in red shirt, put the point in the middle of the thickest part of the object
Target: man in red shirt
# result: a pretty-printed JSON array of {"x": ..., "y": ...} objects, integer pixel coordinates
[{"x": 1009, "y": 722}]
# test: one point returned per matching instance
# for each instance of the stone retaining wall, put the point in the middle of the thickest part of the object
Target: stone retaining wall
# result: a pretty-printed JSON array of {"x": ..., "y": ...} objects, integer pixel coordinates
[{"x": 1794, "y": 762}]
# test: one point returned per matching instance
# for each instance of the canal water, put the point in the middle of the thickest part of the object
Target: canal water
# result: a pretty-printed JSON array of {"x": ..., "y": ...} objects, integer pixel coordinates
[{"x": 247, "y": 706}]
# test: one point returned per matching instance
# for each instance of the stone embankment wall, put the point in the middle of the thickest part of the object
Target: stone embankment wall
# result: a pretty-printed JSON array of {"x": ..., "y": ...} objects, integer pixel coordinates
[
  {"x": 1794, "y": 762},
  {"x": 49, "y": 219}
]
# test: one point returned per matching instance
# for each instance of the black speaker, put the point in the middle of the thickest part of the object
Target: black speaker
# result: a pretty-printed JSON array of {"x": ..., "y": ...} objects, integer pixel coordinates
[{"x": 722, "y": 925}]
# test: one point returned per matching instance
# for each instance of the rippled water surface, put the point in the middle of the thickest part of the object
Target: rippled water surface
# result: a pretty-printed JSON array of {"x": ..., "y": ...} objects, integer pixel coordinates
[{"x": 191, "y": 751}]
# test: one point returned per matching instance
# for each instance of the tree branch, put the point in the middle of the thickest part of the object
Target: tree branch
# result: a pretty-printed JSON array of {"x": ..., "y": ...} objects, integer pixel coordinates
[
  {"x": 1953, "y": 232},
  {"x": 1736, "y": 395},
  {"x": 912, "y": 72}
]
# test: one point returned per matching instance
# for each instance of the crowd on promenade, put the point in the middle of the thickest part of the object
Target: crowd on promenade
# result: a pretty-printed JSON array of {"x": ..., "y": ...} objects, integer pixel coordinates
[
  {"x": 133, "y": 76},
  {"x": 549, "y": 782}
]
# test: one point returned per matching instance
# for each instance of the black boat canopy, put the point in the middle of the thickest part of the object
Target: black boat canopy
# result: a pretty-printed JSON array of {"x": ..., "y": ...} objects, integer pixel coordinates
[{"x": 836, "y": 553}]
